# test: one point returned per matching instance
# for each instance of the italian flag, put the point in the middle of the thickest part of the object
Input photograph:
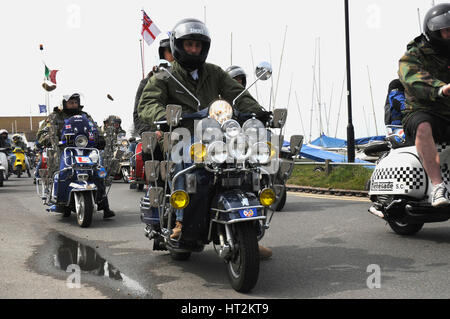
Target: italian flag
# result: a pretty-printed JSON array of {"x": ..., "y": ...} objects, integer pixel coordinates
[{"x": 50, "y": 75}]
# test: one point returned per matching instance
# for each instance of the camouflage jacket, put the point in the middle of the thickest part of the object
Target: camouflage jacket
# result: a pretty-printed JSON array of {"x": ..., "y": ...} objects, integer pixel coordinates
[
  {"x": 212, "y": 83},
  {"x": 57, "y": 118},
  {"x": 423, "y": 72}
]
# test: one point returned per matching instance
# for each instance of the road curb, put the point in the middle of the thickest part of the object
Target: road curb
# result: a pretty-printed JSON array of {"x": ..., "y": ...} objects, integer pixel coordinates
[{"x": 327, "y": 191}]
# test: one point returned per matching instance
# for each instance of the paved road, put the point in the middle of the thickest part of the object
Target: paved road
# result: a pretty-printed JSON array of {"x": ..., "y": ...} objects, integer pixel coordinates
[{"x": 323, "y": 247}]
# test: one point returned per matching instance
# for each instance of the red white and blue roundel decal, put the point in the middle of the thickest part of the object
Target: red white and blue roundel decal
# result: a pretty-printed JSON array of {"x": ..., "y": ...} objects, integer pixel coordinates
[{"x": 248, "y": 212}]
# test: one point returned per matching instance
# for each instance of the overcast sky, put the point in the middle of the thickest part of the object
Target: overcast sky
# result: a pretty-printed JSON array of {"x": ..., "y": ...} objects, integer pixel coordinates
[{"x": 95, "y": 45}]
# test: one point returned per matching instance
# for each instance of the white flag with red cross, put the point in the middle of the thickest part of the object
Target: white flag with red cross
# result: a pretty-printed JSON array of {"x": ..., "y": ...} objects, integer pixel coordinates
[{"x": 149, "y": 29}]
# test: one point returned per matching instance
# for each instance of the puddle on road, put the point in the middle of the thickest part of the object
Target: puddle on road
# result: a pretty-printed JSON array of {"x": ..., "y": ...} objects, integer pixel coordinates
[{"x": 70, "y": 252}]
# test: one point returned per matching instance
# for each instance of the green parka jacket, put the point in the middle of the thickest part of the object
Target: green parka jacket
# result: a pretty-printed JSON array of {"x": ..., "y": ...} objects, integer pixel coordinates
[
  {"x": 212, "y": 83},
  {"x": 423, "y": 72},
  {"x": 57, "y": 116}
]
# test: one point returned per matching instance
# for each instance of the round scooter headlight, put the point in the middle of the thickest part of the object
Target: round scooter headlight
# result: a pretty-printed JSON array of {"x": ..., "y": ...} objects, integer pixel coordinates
[
  {"x": 81, "y": 141},
  {"x": 217, "y": 152},
  {"x": 267, "y": 197},
  {"x": 231, "y": 128},
  {"x": 239, "y": 148},
  {"x": 179, "y": 199},
  {"x": 261, "y": 153},
  {"x": 198, "y": 152}
]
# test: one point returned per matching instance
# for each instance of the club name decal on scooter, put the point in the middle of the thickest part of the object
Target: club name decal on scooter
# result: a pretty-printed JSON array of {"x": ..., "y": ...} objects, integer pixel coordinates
[
  {"x": 382, "y": 186},
  {"x": 246, "y": 213}
]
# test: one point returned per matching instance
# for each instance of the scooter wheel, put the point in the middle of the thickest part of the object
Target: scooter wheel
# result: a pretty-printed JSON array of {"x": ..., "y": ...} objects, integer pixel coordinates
[
  {"x": 405, "y": 229},
  {"x": 282, "y": 202},
  {"x": 84, "y": 208}
]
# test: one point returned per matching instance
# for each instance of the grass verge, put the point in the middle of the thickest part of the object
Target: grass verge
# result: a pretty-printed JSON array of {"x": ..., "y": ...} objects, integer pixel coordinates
[{"x": 341, "y": 177}]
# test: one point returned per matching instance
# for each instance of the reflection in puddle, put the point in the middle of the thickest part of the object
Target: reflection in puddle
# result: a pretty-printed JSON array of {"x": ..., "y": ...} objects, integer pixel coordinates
[{"x": 70, "y": 252}]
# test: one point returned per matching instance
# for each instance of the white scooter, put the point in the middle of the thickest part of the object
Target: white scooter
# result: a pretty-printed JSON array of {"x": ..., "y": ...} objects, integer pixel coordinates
[
  {"x": 401, "y": 189},
  {"x": 3, "y": 166}
]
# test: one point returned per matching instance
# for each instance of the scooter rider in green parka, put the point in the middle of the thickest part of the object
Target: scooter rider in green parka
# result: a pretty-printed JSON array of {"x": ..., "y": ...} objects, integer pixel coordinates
[{"x": 190, "y": 43}]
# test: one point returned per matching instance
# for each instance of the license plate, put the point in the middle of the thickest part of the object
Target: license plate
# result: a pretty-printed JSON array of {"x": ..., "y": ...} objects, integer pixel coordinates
[
  {"x": 248, "y": 212},
  {"x": 83, "y": 160}
]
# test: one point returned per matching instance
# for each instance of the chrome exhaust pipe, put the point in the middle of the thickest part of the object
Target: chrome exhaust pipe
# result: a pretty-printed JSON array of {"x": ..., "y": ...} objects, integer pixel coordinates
[{"x": 376, "y": 212}]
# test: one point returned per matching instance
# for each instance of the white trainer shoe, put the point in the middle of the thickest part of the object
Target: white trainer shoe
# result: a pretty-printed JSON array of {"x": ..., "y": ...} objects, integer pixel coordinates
[{"x": 439, "y": 196}]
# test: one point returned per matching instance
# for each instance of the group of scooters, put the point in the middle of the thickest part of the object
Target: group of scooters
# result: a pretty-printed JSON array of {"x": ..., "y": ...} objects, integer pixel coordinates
[{"x": 23, "y": 162}]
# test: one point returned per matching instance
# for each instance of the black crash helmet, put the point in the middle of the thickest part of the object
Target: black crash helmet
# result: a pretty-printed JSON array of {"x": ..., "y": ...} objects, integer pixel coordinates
[
  {"x": 436, "y": 19},
  {"x": 189, "y": 29},
  {"x": 163, "y": 45},
  {"x": 237, "y": 72}
]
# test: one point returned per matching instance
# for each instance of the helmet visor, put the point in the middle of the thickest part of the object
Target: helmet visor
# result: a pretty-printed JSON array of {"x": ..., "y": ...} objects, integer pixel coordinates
[{"x": 439, "y": 22}]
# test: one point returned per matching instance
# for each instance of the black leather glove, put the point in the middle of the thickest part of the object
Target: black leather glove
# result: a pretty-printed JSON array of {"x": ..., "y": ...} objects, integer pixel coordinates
[{"x": 263, "y": 116}]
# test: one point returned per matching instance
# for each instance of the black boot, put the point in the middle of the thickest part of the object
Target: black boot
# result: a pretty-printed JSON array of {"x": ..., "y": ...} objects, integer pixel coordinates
[{"x": 108, "y": 213}]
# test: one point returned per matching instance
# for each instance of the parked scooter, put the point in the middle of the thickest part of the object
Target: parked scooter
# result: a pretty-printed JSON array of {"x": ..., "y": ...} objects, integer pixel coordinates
[
  {"x": 75, "y": 184},
  {"x": 3, "y": 165},
  {"x": 401, "y": 189},
  {"x": 229, "y": 190}
]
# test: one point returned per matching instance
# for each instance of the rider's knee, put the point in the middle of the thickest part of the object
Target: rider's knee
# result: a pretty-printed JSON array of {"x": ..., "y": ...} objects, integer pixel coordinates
[{"x": 424, "y": 131}]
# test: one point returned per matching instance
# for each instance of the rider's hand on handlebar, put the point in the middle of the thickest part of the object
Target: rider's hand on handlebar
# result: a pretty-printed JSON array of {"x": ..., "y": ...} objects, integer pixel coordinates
[
  {"x": 263, "y": 116},
  {"x": 159, "y": 135}
]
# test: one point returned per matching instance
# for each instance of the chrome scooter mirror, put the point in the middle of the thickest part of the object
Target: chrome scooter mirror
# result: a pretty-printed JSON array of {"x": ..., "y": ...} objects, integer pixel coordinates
[
  {"x": 286, "y": 168},
  {"x": 156, "y": 196},
  {"x": 296, "y": 143},
  {"x": 173, "y": 114},
  {"x": 152, "y": 171},
  {"x": 166, "y": 168},
  {"x": 263, "y": 72},
  {"x": 149, "y": 142},
  {"x": 279, "y": 118}
]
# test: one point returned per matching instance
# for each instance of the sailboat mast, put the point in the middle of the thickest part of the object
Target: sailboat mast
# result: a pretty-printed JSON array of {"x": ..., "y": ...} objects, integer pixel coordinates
[
  {"x": 340, "y": 104},
  {"x": 371, "y": 96},
  {"x": 253, "y": 64},
  {"x": 279, "y": 71},
  {"x": 299, "y": 113}
]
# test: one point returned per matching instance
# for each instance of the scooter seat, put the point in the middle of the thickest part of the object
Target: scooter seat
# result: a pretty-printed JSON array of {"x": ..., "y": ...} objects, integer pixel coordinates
[{"x": 396, "y": 142}]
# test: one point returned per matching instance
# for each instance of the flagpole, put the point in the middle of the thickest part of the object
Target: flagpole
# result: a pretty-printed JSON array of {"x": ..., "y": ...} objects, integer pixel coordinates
[
  {"x": 142, "y": 58},
  {"x": 142, "y": 49},
  {"x": 31, "y": 121}
]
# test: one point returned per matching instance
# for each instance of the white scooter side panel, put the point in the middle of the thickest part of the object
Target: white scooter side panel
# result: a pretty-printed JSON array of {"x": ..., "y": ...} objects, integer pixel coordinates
[{"x": 400, "y": 173}]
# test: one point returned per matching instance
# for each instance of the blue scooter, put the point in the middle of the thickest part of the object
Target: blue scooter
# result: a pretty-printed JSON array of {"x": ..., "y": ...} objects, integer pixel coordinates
[{"x": 78, "y": 185}]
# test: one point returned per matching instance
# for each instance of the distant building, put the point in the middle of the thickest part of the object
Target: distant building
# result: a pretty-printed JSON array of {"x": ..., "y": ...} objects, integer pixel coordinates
[{"x": 29, "y": 125}]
